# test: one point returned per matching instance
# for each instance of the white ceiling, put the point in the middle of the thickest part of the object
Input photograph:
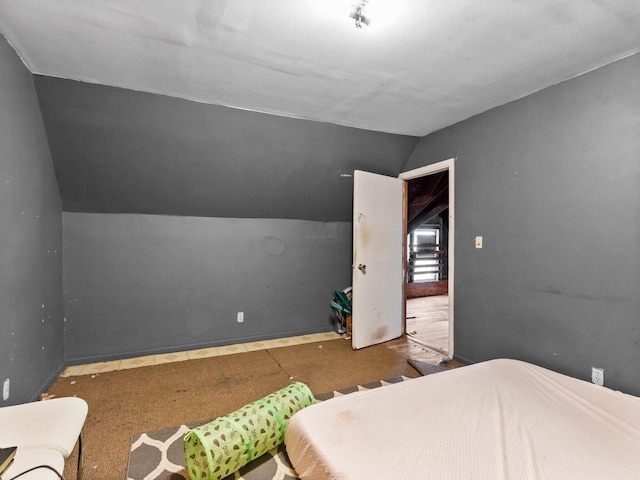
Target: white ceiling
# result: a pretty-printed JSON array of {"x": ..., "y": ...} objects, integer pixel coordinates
[{"x": 420, "y": 66}]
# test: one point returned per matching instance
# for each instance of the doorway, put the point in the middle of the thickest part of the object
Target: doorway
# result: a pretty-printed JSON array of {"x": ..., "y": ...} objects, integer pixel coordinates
[
  {"x": 430, "y": 256},
  {"x": 380, "y": 251}
]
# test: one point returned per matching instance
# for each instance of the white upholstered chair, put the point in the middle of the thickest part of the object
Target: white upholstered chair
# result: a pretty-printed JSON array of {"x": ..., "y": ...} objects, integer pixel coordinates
[{"x": 45, "y": 433}]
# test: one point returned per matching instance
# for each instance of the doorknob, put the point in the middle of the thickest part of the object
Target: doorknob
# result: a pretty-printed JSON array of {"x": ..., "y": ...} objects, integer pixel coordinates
[{"x": 362, "y": 268}]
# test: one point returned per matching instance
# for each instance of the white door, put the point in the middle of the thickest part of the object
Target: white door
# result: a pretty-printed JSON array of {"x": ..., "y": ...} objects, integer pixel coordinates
[{"x": 378, "y": 259}]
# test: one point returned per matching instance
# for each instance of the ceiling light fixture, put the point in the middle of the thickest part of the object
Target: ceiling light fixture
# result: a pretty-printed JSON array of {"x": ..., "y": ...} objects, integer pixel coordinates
[{"x": 359, "y": 13}]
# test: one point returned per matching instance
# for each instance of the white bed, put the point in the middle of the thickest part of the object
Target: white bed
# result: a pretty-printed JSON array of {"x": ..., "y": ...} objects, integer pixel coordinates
[{"x": 497, "y": 420}]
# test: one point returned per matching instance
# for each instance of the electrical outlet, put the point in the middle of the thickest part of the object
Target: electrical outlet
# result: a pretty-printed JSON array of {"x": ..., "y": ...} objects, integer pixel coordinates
[
  {"x": 240, "y": 317},
  {"x": 597, "y": 376},
  {"x": 5, "y": 390}
]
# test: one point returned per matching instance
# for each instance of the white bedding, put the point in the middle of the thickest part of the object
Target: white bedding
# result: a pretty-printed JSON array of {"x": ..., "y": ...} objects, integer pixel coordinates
[{"x": 497, "y": 420}]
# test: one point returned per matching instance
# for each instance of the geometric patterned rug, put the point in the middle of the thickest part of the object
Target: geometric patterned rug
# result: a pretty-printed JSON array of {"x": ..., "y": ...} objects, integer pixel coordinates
[{"x": 159, "y": 455}]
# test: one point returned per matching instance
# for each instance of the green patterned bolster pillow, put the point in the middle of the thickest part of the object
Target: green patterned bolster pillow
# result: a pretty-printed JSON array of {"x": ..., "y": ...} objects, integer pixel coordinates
[{"x": 228, "y": 443}]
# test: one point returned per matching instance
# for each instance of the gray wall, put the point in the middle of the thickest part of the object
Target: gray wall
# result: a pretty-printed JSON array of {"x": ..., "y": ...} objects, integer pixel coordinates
[
  {"x": 179, "y": 214},
  {"x": 150, "y": 283},
  {"x": 31, "y": 319},
  {"x": 552, "y": 182}
]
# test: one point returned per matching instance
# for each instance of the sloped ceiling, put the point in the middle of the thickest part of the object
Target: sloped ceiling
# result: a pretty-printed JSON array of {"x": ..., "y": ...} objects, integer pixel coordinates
[
  {"x": 120, "y": 151},
  {"x": 427, "y": 197},
  {"x": 420, "y": 66}
]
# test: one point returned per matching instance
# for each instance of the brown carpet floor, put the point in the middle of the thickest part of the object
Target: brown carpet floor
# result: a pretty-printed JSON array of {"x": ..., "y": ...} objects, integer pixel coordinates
[{"x": 127, "y": 402}]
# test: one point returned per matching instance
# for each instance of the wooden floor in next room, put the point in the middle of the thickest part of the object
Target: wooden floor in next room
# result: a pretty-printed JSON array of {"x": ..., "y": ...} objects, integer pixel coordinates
[{"x": 427, "y": 338}]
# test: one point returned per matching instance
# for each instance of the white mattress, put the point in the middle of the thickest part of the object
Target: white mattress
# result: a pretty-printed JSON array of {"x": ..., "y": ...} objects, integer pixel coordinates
[{"x": 497, "y": 420}]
